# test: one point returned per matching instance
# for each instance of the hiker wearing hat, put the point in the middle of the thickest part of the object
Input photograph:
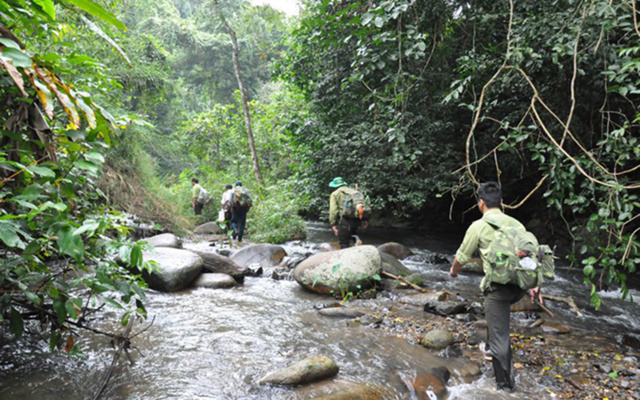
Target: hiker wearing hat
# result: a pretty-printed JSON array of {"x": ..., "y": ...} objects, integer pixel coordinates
[
  {"x": 240, "y": 205},
  {"x": 347, "y": 211}
]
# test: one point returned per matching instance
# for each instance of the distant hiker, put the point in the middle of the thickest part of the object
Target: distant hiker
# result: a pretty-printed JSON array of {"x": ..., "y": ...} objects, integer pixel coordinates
[
  {"x": 226, "y": 207},
  {"x": 195, "y": 192},
  {"x": 348, "y": 210},
  {"x": 199, "y": 196},
  {"x": 513, "y": 264},
  {"x": 240, "y": 205}
]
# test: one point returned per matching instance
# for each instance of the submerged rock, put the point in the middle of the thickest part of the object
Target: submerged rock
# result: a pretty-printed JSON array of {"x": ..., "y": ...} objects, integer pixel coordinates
[
  {"x": 309, "y": 370},
  {"x": 399, "y": 251},
  {"x": 445, "y": 308},
  {"x": 391, "y": 265},
  {"x": 423, "y": 299},
  {"x": 216, "y": 263},
  {"x": 215, "y": 281},
  {"x": 341, "y": 312},
  {"x": 207, "y": 228},
  {"x": 437, "y": 339},
  {"x": 176, "y": 269},
  {"x": 352, "y": 391},
  {"x": 165, "y": 240},
  {"x": 525, "y": 304},
  {"x": 263, "y": 254},
  {"x": 340, "y": 271}
]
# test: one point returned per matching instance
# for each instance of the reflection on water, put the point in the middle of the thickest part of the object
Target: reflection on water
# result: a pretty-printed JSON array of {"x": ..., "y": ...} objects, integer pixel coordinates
[{"x": 216, "y": 344}]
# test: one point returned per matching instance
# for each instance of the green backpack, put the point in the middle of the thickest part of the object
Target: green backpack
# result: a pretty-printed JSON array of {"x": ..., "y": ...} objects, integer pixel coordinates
[
  {"x": 242, "y": 200},
  {"x": 356, "y": 205},
  {"x": 516, "y": 258}
]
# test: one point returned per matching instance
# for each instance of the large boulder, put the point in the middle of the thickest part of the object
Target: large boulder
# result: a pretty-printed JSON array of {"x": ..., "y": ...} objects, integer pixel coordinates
[
  {"x": 399, "y": 251},
  {"x": 309, "y": 370},
  {"x": 339, "y": 271},
  {"x": 215, "y": 281},
  {"x": 216, "y": 263},
  {"x": 165, "y": 240},
  {"x": 391, "y": 265},
  {"x": 207, "y": 228},
  {"x": 265, "y": 255},
  {"x": 176, "y": 269}
]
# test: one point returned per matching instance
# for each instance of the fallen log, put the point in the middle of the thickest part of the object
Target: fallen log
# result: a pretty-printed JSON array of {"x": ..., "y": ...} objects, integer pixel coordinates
[{"x": 567, "y": 300}]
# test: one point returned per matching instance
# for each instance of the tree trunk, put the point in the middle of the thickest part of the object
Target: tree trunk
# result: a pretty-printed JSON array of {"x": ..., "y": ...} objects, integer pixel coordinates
[{"x": 245, "y": 107}]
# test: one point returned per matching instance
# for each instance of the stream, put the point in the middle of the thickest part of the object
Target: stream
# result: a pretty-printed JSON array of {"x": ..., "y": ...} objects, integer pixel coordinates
[{"x": 217, "y": 343}]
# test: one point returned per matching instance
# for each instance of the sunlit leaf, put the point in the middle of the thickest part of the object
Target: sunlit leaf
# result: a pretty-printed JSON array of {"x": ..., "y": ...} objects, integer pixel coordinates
[
  {"x": 96, "y": 29},
  {"x": 47, "y": 7},
  {"x": 98, "y": 11}
]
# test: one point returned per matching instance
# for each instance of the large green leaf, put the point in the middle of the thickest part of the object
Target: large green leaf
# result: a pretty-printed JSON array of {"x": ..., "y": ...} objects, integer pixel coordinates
[
  {"x": 98, "y": 11},
  {"x": 9, "y": 234},
  {"x": 96, "y": 29},
  {"x": 69, "y": 243},
  {"x": 47, "y": 7}
]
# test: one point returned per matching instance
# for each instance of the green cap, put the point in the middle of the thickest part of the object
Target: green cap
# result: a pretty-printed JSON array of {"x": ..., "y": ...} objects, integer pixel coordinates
[{"x": 337, "y": 182}]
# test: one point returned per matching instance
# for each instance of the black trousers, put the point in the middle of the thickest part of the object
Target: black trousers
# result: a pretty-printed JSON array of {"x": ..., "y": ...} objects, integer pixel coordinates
[
  {"x": 346, "y": 229},
  {"x": 198, "y": 208},
  {"x": 497, "y": 304}
]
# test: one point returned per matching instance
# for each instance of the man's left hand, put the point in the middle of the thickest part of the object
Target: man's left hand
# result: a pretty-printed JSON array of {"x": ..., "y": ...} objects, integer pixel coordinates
[
  {"x": 365, "y": 224},
  {"x": 532, "y": 294}
]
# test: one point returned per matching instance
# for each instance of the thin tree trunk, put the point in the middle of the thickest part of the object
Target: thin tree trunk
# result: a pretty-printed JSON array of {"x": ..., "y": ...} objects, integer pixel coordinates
[{"x": 245, "y": 107}]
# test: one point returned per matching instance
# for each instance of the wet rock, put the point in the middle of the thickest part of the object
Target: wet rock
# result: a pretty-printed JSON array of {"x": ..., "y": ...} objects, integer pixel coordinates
[
  {"x": 351, "y": 391},
  {"x": 604, "y": 368},
  {"x": 208, "y": 228},
  {"x": 176, "y": 269},
  {"x": 280, "y": 275},
  {"x": 391, "y": 265},
  {"x": 263, "y": 254},
  {"x": 309, "y": 370},
  {"x": 399, "y": 251},
  {"x": 466, "y": 317},
  {"x": 470, "y": 369},
  {"x": 370, "y": 320},
  {"x": 477, "y": 335},
  {"x": 165, "y": 240},
  {"x": 472, "y": 268},
  {"x": 476, "y": 308},
  {"x": 437, "y": 339},
  {"x": 415, "y": 278},
  {"x": 445, "y": 308},
  {"x": 432, "y": 385},
  {"x": 224, "y": 252},
  {"x": 525, "y": 305},
  {"x": 421, "y": 299},
  {"x": 341, "y": 312},
  {"x": 321, "y": 306},
  {"x": 631, "y": 340},
  {"x": 340, "y": 271},
  {"x": 215, "y": 281},
  {"x": 554, "y": 327},
  {"x": 216, "y": 263},
  {"x": 324, "y": 247}
]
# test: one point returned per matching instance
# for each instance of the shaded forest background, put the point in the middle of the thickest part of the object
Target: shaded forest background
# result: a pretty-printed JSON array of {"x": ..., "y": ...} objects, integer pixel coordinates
[{"x": 114, "y": 105}]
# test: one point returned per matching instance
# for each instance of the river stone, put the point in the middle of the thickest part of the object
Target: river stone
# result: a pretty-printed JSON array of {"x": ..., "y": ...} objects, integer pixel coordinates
[
  {"x": 265, "y": 255},
  {"x": 340, "y": 312},
  {"x": 445, "y": 308},
  {"x": 391, "y": 265},
  {"x": 399, "y": 251},
  {"x": 164, "y": 240},
  {"x": 216, "y": 263},
  {"x": 416, "y": 278},
  {"x": 177, "y": 269},
  {"x": 353, "y": 266},
  {"x": 470, "y": 369},
  {"x": 215, "y": 281},
  {"x": 432, "y": 385},
  {"x": 209, "y": 227},
  {"x": 309, "y": 370},
  {"x": 437, "y": 339},
  {"x": 423, "y": 299}
]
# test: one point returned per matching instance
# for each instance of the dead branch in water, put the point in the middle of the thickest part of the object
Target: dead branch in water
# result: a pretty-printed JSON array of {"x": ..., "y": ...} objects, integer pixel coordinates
[{"x": 567, "y": 300}]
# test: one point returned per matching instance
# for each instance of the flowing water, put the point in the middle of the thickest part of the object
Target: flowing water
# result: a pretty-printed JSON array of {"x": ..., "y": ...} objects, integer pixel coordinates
[{"x": 216, "y": 344}]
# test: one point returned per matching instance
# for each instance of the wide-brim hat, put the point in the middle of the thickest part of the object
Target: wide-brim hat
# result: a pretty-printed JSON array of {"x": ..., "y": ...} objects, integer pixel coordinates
[{"x": 337, "y": 182}]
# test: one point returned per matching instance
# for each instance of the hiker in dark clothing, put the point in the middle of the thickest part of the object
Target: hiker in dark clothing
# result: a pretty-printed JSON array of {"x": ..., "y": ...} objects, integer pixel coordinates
[
  {"x": 498, "y": 297},
  {"x": 344, "y": 224},
  {"x": 240, "y": 205}
]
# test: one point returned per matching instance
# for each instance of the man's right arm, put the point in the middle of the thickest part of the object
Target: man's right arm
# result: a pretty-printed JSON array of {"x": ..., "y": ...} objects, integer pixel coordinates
[{"x": 464, "y": 253}]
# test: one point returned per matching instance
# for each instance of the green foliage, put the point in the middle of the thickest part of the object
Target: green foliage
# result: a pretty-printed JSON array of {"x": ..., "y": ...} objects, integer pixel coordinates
[
  {"x": 275, "y": 218},
  {"x": 59, "y": 244}
]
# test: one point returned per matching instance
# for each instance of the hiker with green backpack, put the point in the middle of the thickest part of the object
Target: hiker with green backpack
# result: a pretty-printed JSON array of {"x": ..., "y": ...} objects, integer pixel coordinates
[
  {"x": 513, "y": 263},
  {"x": 240, "y": 205},
  {"x": 199, "y": 196},
  {"x": 348, "y": 211}
]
